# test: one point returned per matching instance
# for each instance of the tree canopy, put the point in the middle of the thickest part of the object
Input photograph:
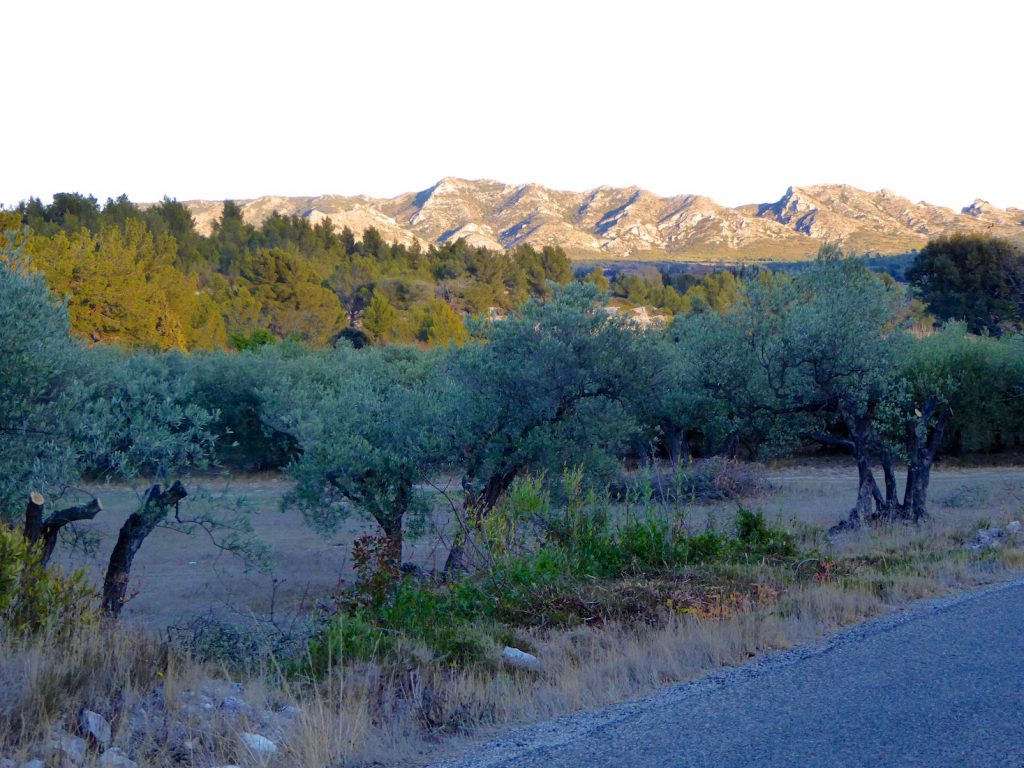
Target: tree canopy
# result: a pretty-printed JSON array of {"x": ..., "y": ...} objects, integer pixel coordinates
[{"x": 972, "y": 277}]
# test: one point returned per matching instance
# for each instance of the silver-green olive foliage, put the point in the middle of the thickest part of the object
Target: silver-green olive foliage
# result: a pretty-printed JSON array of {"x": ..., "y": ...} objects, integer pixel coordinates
[
  {"x": 66, "y": 410},
  {"x": 367, "y": 422},
  {"x": 557, "y": 385},
  {"x": 794, "y": 351},
  {"x": 39, "y": 390},
  {"x": 141, "y": 419},
  {"x": 822, "y": 356}
]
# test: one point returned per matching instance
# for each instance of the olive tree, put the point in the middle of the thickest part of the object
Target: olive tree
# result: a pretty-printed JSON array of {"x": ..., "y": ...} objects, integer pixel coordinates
[
  {"x": 556, "y": 385},
  {"x": 805, "y": 357},
  {"x": 43, "y": 389},
  {"x": 140, "y": 425},
  {"x": 821, "y": 356},
  {"x": 40, "y": 391},
  {"x": 952, "y": 381},
  {"x": 367, "y": 423},
  {"x": 66, "y": 411}
]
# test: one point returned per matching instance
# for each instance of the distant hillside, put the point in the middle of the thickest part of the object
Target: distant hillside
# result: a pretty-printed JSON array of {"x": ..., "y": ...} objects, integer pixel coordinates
[{"x": 629, "y": 222}]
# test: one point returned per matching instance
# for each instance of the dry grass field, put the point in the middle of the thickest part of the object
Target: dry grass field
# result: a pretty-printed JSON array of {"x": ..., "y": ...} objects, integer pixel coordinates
[{"x": 169, "y": 708}]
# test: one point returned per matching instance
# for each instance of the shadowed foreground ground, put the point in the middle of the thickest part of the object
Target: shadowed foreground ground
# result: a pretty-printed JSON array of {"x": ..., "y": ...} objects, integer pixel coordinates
[{"x": 939, "y": 685}]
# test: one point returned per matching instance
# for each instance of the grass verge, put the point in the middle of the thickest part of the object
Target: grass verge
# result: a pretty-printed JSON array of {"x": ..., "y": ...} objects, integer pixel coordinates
[{"x": 403, "y": 673}]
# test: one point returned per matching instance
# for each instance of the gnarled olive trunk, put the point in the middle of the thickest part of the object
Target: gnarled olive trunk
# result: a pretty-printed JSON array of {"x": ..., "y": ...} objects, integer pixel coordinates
[
  {"x": 390, "y": 523},
  {"x": 923, "y": 438},
  {"x": 922, "y": 448},
  {"x": 155, "y": 507},
  {"x": 476, "y": 505},
  {"x": 33, "y": 529}
]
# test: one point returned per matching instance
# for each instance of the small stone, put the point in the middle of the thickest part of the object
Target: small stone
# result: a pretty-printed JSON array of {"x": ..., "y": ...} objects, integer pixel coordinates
[
  {"x": 986, "y": 538},
  {"x": 236, "y": 705},
  {"x": 67, "y": 750},
  {"x": 115, "y": 758},
  {"x": 520, "y": 659},
  {"x": 259, "y": 746},
  {"x": 1013, "y": 528},
  {"x": 94, "y": 728}
]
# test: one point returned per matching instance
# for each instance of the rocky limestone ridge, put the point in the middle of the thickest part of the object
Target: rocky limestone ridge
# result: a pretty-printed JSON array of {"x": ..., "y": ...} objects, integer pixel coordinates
[{"x": 611, "y": 222}]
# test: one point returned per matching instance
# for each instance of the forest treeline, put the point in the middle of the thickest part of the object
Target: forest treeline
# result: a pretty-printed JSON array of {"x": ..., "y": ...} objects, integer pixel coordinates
[{"x": 143, "y": 277}]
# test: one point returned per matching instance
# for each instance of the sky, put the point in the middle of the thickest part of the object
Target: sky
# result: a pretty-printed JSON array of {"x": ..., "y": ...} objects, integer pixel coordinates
[{"x": 735, "y": 100}]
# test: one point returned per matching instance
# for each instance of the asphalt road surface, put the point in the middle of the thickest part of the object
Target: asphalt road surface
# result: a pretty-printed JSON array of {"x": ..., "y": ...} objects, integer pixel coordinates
[{"x": 939, "y": 684}]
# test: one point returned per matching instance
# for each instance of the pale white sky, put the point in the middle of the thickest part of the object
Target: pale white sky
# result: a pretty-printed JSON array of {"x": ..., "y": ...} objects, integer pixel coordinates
[{"x": 734, "y": 100}]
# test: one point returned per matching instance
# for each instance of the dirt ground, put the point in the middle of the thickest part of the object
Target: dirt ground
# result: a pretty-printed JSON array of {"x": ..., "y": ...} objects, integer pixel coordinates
[{"x": 177, "y": 577}]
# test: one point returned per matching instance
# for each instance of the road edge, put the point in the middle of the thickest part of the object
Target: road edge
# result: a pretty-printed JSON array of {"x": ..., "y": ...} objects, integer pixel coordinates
[{"x": 524, "y": 740}]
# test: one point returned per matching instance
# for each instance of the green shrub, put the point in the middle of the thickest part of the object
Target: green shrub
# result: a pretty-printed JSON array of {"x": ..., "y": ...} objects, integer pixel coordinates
[
  {"x": 650, "y": 544},
  {"x": 459, "y": 623},
  {"x": 755, "y": 537},
  {"x": 36, "y": 599},
  {"x": 348, "y": 637},
  {"x": 449, "y": 622},
  {"x": 708, "y": 546}
]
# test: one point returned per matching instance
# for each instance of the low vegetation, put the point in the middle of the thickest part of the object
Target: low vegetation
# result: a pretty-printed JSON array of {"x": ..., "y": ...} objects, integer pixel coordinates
[{"x": 611, "y": 600}]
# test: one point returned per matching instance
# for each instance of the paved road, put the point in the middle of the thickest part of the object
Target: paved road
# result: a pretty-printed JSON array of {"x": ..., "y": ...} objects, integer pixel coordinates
[{"x": 941, "y": 684}]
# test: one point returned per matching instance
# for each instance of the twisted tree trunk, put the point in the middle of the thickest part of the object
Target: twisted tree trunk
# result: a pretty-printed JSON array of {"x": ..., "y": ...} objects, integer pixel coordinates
[
  {"x": 393, "y": 534},
  {"x": 155, "y": 507},
  {"x": 922, "y": 448},
  {"x": 476, "y": 505}
]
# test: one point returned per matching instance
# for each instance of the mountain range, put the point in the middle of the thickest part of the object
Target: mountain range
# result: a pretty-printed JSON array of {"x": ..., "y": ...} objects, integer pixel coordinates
[{"x": 632, "y": 223}]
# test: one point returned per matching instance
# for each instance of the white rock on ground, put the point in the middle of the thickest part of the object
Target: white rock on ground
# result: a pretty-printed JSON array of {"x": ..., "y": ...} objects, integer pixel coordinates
[
  {"x": 94, "y": 728},
  {"x": 986, "y": 538},
  {"x": 259, "y": 746},
  {"x": 1013, "y": 528},
  {"x": 115, "y": 758},
  {"x": 520, "y": 659}
]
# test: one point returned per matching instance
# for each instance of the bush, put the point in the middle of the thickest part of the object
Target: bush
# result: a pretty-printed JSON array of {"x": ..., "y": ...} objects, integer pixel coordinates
[
  {"x": 461, "y": 622},
  {"x": 419, "y": 617},
  {"x": 35, "y": 599},
  {"x": 754, "y": 537}
]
